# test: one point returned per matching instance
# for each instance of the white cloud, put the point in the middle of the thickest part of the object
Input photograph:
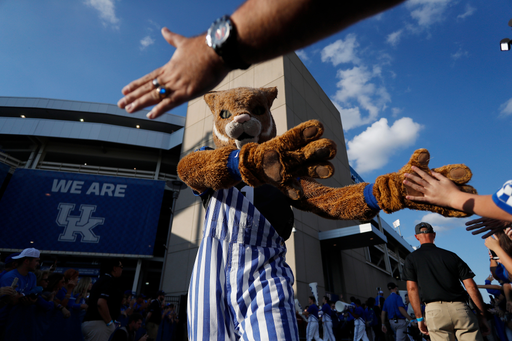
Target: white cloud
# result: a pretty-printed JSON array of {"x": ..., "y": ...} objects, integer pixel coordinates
[
  {"x": 341, "y": 51},
  {"x": 506, "y": 108},
  {"x": 442, "y": 224},
  {"x": 355, "y": 86},
  {"x": 302, "y": 55},
  {"x": 394, "y": 38},
  {"x": 106, "y": 9},
  {"x": 372, "y": 148},
  {"x": 145, "y": 42},
  {"x": 428, "y": 12},
  {"x": 460, "y": 53},
  {"x": 468, "y": 12}
]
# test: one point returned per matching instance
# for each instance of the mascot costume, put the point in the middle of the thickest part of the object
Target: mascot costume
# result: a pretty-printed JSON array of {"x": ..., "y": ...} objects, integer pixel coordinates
[{"x": 241, "y": 286}]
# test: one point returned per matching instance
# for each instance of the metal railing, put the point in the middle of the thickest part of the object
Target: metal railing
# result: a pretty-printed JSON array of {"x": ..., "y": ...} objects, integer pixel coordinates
[
  {"x": 9, "y": 160},
  {"x": 109, "y": 171}
]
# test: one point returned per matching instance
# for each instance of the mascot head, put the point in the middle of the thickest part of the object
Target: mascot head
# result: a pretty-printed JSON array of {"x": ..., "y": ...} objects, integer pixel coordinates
[{"x": 242, "y": 115}]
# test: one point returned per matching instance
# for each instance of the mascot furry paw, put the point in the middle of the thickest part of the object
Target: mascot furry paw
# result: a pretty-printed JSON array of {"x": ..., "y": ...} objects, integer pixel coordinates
[{"x": 241, "y": 285}]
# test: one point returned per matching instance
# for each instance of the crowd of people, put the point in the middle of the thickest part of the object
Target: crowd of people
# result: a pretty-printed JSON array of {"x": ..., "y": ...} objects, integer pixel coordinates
[{"x": 48, "y": 305}]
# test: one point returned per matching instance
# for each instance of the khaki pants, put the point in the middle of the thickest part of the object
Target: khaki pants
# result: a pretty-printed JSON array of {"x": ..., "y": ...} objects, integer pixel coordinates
[
  {"x": 450, "y": 320},
  {"x": 97, "y": 330},
  {"x": 152, "y": 329}
]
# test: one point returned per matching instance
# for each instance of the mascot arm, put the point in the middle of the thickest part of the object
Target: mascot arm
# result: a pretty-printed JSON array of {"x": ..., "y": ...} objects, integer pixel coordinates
[
  {"x": 363, "y": 201},
  {"x": 205, "y": 169}
]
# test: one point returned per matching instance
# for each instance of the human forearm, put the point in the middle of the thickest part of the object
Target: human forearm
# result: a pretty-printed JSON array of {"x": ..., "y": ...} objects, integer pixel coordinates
[
  {"x": 270, "y": 28},
  {"x": 475, "y": 295},
  {"x": 481, "y": 205},
  {"x": 383, "y": 317},
  {"x": 414, "y": 298}
]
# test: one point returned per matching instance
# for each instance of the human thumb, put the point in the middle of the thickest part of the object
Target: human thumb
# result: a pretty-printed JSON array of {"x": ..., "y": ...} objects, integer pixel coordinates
[{"x": 172, "y": 38}]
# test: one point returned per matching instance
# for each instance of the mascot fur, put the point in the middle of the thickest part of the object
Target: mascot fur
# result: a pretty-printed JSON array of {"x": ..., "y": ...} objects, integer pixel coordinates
[{"x": 241, "y": 286}]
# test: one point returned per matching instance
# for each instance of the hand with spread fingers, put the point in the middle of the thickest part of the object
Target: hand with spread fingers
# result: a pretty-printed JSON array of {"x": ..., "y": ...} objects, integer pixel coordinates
[
  {"x": 491, "y": 226},
  {"x": 434, "y": 188},
  {"x": 193, "y": 70}
]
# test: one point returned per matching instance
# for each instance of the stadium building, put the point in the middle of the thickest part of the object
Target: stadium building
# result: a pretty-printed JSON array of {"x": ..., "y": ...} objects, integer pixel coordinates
[{"x": 82, "y": 181}]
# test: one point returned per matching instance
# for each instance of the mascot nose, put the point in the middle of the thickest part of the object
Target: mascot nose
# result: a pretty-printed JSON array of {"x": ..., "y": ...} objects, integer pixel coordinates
[{"x": 241, "y": 118}]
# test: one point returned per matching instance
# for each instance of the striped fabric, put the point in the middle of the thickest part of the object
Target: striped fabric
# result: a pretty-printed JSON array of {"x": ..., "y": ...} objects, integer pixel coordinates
[{"x": 241, "y": 286}]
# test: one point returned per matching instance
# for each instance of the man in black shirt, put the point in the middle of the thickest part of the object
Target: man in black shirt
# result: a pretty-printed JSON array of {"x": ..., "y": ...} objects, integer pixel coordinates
[
  {"x": 105, "y": 302},
  {"x": 434, "y": 274},
  {"x": 154, "y": 316}
]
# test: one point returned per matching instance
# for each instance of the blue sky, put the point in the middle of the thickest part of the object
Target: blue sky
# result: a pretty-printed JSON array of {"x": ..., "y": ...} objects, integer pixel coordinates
[{"x": 427, "y": 74}]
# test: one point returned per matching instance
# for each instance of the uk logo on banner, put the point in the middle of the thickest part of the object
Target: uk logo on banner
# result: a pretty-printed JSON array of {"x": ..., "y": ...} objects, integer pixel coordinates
[
  {"x": 78, "y": 225},
  {"x": 58, "y": 211}
]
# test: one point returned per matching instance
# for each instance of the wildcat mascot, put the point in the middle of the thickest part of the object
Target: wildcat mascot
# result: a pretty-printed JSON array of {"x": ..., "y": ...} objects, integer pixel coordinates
[{"x": 241, "y": 286}]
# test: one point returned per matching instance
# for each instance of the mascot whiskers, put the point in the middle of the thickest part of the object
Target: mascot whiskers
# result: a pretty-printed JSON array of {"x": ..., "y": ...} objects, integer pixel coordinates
[{"x": 241, "y": 286}]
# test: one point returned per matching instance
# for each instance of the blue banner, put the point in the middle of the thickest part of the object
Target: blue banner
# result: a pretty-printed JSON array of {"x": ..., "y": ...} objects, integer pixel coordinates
[
  {"x": 57, "y": 211},
  {"x": 4, "y": 170}
]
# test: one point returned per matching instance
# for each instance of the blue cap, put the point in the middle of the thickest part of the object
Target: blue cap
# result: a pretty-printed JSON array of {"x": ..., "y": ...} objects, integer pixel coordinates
[{"x": 10, "y": 259}]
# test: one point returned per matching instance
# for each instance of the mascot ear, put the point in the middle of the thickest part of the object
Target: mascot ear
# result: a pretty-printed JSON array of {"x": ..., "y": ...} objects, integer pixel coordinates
[
  {"x": 271, "y": 94},
  {"x": 210, "y": 99}
]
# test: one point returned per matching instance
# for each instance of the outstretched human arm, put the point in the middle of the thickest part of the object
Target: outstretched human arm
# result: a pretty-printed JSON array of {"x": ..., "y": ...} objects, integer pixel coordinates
[
  {"x": 475, "y": 295},
  {"x": 414, "y": 299},
  {"x": 438, "y": 190},
  {"x": 265, "y": 29},
  {"x": 489, "y": 225}
]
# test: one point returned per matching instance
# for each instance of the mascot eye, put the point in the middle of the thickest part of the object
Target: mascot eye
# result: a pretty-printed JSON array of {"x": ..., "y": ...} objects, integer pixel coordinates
[
  {"x": 259, "y": 110},
  {"x": 225, "y": 114}
]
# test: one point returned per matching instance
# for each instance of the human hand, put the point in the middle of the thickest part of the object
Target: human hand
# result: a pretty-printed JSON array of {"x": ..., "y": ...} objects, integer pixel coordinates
[
  {"x": 492, "y": 243},
  {"x": 193, "y": 70},
  {"x": 84, "y": 306},
  {"x": 413, "y": 187},
  {"x": 27, "y": 300},
  {"x": 72, "y": 283},
  {"x": 144, "y": 338},
  {"x": 423, "y": 327},
  {"x": 509, "y": 306},
  {"x": 7, "y": 291},
  {"x": 66, "y": 313},
  {"x": 484, "y": 326},
  {"x": 490, "y": 278},
  {"x": 434, "y": 189},
  {"x": 489, "y": 225}
]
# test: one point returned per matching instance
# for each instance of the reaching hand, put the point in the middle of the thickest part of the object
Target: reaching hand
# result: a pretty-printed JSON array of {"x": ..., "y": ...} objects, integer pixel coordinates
[
  {"x": 492, "y": 243},
  {"x": 7, "y": 291},
  {"x": 490, "y": 278},
  {"x": 491, "y": 226},
  {"x": 193, "y": 70},
  {"x": 437, "y": 189}
]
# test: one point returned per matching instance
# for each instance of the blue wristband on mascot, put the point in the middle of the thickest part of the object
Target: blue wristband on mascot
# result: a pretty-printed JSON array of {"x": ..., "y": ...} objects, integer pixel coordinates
[
  {"x": 233, "y": 160},
  {"x": 370, "y": 199}
]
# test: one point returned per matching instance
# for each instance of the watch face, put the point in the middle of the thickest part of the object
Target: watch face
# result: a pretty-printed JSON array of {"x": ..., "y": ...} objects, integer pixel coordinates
[{"x": 218, "y": 33}]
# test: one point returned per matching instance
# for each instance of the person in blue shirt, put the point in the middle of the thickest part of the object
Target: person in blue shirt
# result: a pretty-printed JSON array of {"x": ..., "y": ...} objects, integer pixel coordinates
[
  {"x": 394, "y": 308},
  {"x": 25, "y": 279},
  {"x": 312, "y": 314},
  {"x": 359, "y": 321},
  {"x": 327, "y": 319}
]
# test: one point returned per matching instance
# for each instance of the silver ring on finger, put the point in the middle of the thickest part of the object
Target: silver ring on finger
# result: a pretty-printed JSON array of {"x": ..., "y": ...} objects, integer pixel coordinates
[
  {"x": 162, "y": 92},
  {"x": 155, "y": 83}
]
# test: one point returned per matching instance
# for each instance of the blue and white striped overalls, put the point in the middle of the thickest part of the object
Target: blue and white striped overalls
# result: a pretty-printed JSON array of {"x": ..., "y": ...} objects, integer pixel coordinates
[{"x": 241, "y": 286}]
